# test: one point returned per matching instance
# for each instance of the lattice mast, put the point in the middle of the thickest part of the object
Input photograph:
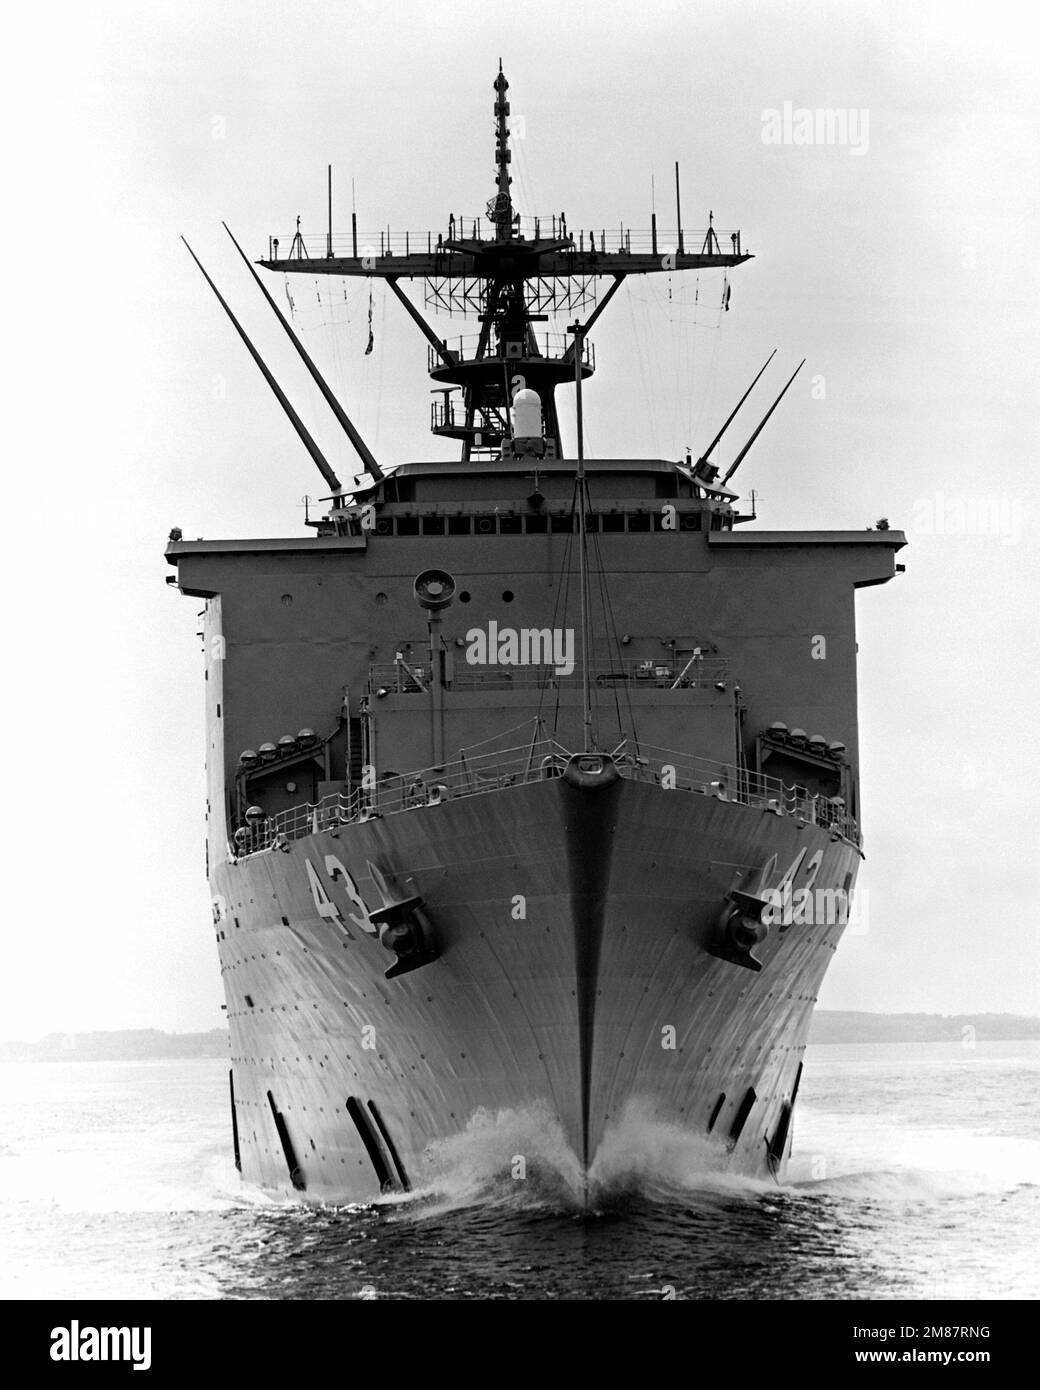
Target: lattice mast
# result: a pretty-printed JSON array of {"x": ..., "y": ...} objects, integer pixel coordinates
[{"x": 506, "y": 279}]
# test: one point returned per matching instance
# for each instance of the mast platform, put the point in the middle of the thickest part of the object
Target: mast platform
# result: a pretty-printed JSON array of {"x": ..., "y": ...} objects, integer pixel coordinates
[
  {"x": 510, "y": 272},
  {"x": 514, "y": 258}
]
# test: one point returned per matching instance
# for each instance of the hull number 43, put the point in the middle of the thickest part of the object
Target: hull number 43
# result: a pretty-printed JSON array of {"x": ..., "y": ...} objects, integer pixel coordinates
[{"x": 338, "y": 872}]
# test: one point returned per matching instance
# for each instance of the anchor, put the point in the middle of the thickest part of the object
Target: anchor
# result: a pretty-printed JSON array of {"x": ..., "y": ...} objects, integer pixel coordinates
[
  {"x": 403, "y": 926},
  {"x": 739, "y": 927}
]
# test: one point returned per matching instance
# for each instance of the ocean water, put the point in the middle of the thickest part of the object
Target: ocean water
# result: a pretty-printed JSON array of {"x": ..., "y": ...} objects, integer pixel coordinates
[{"x": 916, "y": 1174}]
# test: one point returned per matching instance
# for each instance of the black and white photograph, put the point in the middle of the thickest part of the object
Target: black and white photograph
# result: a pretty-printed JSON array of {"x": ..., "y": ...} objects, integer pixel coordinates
[{"x": 522, "y": 572}]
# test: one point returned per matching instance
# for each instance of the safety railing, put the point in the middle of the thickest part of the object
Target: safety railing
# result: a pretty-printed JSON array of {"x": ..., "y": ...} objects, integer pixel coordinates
[
  {"x": 604, "y": 241},
  {"x": 551, "y": 347},
  {"x": 684, "y": 673},
  {"x": 393, "y": 793}
]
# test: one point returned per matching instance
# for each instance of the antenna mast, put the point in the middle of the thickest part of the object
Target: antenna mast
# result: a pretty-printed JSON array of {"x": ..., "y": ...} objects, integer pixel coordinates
[
  {"x": 740, "y": 457},
  {"x": 512, "y": 276},
  {"x": 707, "y": 453},
  {"x": 283, "y": 400},
  {"x": 500, "y": 209},
  {"x": 362, "y": 449},
  {"x": 581, "y": 491}
]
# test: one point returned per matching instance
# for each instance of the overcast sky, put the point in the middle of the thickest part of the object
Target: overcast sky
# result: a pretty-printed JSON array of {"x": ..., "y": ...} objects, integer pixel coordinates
[{"x": 903, "y": 266}]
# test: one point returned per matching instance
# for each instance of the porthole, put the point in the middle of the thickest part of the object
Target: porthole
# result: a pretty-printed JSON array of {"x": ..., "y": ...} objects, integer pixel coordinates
[
  {"x": 507, "y": 596},
  {"x": 464, "y": 597}
]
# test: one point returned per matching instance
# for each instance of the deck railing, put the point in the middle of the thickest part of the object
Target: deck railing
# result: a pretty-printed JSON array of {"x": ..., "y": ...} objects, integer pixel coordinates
[
  {"x": 481, "y": 774},
  {"x": 552, "y": 347},
  {"x": 605, "y": 241},
  {"x": 682, "y": 673}
]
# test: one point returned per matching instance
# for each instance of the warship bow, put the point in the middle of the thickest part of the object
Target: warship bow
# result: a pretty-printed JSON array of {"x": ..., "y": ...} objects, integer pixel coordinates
[{"x": 532, "y": 777}]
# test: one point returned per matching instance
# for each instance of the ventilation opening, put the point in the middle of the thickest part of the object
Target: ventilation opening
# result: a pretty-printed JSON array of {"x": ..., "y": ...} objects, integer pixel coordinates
[
  {"x": 234, "y": 1122},
  {"x": 717, "y": 1111},
  {"x": 375, "y": 1154},
  {"x": 741, "y": 1117},
  {"x": 391, "y": 1147},
  {"x": 797, "y": 1083},
  {"x": 295, "y": 1175},
  {"x": 778, "y": 1143}
]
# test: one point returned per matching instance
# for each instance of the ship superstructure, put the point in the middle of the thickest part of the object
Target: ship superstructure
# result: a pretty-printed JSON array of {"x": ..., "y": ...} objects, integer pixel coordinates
[{"x": 532, "y": 777}]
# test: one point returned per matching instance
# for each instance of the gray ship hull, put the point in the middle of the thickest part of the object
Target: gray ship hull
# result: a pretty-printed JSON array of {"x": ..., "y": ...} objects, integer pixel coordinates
[{"x": 575, "y": 974}]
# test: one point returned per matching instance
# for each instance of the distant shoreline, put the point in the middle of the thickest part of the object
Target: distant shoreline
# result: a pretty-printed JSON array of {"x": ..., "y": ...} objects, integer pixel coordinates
[
  {"x": 829, "y": 1027},
  {"x": 124, "y": 1045},
  {"x": 839, "y": 1026}
]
